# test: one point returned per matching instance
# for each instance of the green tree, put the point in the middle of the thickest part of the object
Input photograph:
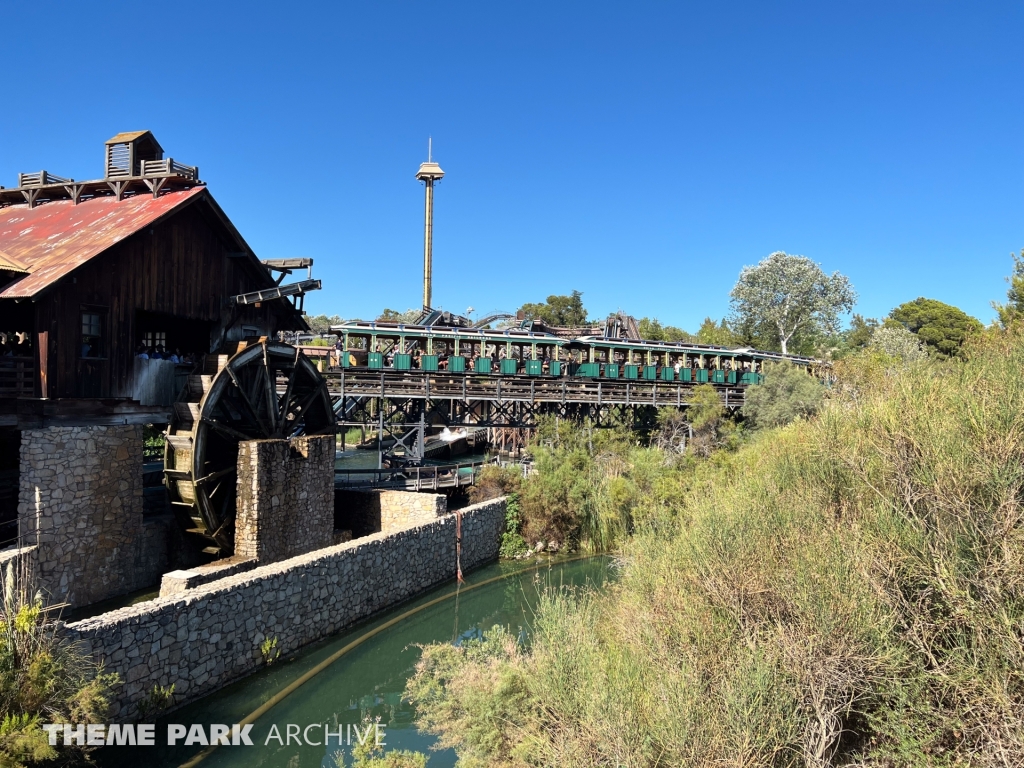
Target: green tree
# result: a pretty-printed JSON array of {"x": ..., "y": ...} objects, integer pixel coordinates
[
  {"x": 652, "y": 330},
  {"x": 708, "y": 418},
  {"x": 394, "y": 316},
  {"x": 941, "y": 326},
  {"x": 321, "y": 324},
  {"x": 860, "y": 332},
  {"x": 1013, "y": 309},
  {"x": 787, "y": 393},
  {"x": 565, "y": 311},
  {"x": 790, "y": 295},
  {"x": 719, "y": 334}
]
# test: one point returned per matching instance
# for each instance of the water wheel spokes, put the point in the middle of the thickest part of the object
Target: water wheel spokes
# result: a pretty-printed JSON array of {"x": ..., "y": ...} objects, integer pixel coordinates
[{"x": 268, "y": 390}]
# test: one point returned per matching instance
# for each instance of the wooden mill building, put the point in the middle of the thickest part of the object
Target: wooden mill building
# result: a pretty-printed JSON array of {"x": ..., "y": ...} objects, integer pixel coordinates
[{"x": 91, "y": 273}]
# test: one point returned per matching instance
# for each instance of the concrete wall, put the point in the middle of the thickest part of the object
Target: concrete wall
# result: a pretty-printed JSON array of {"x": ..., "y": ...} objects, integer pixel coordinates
[
  {"x": 285, "y": 497},
  {"x": 209, "y": 636},
  {"x": 366, "y": 512},
  {"x": 80, "y": 502}
]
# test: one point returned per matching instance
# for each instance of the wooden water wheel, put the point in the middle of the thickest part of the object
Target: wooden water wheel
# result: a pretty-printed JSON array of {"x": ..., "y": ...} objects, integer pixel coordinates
[{"x": 267, "y": 390}]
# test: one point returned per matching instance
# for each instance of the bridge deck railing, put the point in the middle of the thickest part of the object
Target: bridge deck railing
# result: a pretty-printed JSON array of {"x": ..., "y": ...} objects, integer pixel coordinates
[{"x": 423, "y": 478}]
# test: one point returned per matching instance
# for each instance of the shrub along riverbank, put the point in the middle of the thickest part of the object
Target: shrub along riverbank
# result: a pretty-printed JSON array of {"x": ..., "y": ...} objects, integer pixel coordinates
[{"x": 844, "y": 590}]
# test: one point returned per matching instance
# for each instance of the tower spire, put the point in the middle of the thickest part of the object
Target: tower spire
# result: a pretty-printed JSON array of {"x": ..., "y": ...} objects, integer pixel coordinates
[{"x": 428, "y": 173}]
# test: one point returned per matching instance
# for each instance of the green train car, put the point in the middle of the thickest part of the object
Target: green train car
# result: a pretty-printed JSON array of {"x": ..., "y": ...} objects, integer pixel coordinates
[{"x": 522, "y": 352}]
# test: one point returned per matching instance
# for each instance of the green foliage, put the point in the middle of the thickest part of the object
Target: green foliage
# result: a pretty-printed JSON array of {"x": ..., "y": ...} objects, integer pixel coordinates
[
  {"x": 512, "y": 541},
  {"x": 565, "y": 311},
  {"x": 1013, "y": 310},
  {"x": 591, "y": 487},
  {"x": 859, "y": 334},
  {"x": 941, "y": 326},
  {"x": 394, "y": 316},
  {"x": 652, "y": 330},
  {"x": 706, "y": 410},
  {"x": 269, "y": 650},
  {"x": 719, "y": 334},
  {"x": 899, "y": 343},
  {"x": 152, "y": 442},
  {"x": 369, "y": 754},
  {"x": 23, "y": 741},
  {"x": 787, "y": 393},
  {"x": 43, "y": 678},
  {"x": 850, "y": 341},
  {"x": 846, "y": 590},
  {"x": 788, "y": 295},
  {"x": 158, "y": 699},
  {"x": 712, "y": 429},
  {"x": 321, "y": 324}
]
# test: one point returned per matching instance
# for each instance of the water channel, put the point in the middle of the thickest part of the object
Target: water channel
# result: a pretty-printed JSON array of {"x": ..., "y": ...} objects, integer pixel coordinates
[{"x": 367, "y": 681}]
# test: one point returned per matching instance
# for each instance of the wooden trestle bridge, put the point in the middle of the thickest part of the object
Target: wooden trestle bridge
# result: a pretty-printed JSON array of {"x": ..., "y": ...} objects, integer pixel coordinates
[
  {"x": 269, "y": 389},
  {"x": 407, "y": 398}
]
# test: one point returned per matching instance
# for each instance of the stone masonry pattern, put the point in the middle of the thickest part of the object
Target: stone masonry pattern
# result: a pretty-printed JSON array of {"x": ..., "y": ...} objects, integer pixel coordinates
[
  {"x": 285, "y": 497},
  {"x": 80, "y": 501},
  {"x": 366, "y": 512},
  {"x": 209, "y": 636}
]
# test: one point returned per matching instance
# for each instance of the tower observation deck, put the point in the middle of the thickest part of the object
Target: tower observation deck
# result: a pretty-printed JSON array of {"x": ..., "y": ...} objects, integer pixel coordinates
[{"x": 428, "y": 173}]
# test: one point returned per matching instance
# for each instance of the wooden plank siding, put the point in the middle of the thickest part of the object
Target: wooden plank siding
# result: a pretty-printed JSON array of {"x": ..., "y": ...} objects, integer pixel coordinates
[{"x": 179, "y": 266}]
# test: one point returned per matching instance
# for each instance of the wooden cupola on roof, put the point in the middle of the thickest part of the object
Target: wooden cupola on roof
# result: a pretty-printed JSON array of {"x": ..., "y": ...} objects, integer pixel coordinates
[{"x": 127, "y": 152}]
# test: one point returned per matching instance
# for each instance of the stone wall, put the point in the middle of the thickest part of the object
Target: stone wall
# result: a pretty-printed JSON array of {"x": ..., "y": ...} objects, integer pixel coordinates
[
  {"x": 209, "y": 636},
  {"x": 366, "y": 512},
  {"x": 80, "y": 502},
  {"x": 285, "y": 497},
  {"x": 177, "y": 582}
]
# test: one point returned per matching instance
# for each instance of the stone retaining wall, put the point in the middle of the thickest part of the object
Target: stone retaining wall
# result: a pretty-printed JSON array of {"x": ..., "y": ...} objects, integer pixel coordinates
[
  {"x": 285, "y": 497},
  {"x": 80, "y": 501},
  {"x": 366, "y": 512},
  {"x": 209, "y": 636}
]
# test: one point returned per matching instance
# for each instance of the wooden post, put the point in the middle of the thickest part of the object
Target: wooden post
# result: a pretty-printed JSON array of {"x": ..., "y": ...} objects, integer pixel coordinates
[{"x": 42, "y": 361}]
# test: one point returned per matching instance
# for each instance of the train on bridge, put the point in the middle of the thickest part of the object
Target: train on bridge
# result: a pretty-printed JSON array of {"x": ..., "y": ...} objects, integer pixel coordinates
[{"x": 523, "y": 351}]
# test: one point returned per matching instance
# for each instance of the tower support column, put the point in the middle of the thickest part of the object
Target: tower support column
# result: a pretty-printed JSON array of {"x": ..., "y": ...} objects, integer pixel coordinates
[{"x": 428, "y": 173}]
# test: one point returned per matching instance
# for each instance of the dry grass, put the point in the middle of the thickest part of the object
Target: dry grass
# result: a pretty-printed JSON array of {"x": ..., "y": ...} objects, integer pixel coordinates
[{"x": 846, "y": 591}]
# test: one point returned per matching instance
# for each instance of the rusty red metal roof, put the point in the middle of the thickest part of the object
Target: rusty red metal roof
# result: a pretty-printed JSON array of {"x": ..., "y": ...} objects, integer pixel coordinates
[{"x": 52, "y": 239}]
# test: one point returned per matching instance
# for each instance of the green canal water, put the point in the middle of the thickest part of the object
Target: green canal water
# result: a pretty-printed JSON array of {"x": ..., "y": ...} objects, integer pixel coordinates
[{"x": 366, "y": 682}]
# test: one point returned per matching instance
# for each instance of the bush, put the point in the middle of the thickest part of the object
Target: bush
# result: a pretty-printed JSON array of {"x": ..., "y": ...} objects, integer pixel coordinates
[
  {"x": 899, "y": 343},
  {"x": 787, "y": 393},
  {"x": 847, "y": 590},
  {"x": 43, "y": 679}
]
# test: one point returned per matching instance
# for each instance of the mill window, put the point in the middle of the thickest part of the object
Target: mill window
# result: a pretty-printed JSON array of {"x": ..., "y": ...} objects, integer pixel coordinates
[
  {"x": 92, "y": 334},
  {"x": 153, "y": 339}
]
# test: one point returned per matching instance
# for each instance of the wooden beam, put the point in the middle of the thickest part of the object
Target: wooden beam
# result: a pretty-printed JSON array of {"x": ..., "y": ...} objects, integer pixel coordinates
[{"x": 155, "y": 185}]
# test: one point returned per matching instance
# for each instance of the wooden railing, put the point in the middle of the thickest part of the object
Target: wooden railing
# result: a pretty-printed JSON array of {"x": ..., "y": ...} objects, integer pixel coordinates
[
  {"x": 427, "y": 478},
  {"x": 40, "y": 179},
  {"x": 17, "y": 376},
  {"x": 169, "y": 167}
]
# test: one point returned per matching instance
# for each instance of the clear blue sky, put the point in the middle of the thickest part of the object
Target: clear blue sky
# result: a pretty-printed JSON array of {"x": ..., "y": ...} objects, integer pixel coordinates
[{"x": 642, "y": 153}]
